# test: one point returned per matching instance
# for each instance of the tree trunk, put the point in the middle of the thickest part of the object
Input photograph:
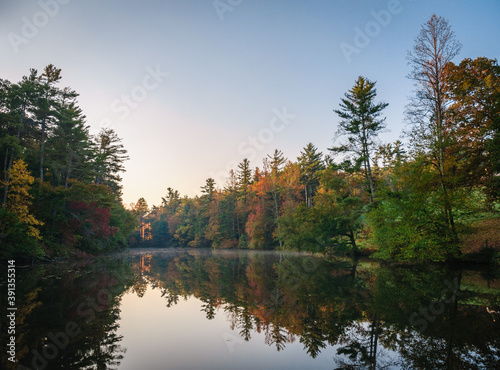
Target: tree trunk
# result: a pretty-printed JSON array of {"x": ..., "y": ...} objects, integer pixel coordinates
[
  {"x": 69, "y": 170},
  {"x": 450, "y": 339},
  {"x": 448, "y": 211},
  {"x": 368, "y": 168},
  {"x": 237, "y": 220},
  {"x": 370, "y": 178},
  {"x": 277, "y": 213},
  {"x": 352, "y": 239},
  {"x": 6, "y": 168},
  {"x": 439, "y": 101},
  {"x": 6, "y": 175},
  {"x": 373, "y": 343},
  {"x": 308, "y": 192},
  {"x": 42, "y": 146}
]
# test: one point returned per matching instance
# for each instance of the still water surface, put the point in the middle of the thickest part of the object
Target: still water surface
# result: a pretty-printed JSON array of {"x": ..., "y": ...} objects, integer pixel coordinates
[{"x": 204, "y": 309}]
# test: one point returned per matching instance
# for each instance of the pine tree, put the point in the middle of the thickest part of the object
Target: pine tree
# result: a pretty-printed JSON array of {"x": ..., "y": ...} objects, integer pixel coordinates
[
  {"x": 276, "y": 163},
  {"x": 244, "y": 176},
  {"x": 44, "y": 110},
  {"x": 310, "y": 162},
  {"x": 69, "y": 147},
  {"x": 361, "y": 124},
  {"x": 141, "y": 210},
  {"x": 16, "y": 103},
  {"x": 109, "y": 158},
  {"x": 209, "y": 188}
]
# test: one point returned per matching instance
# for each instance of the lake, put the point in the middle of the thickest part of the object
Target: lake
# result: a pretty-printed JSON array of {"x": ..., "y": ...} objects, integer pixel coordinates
[{"x": 229, "y": 309}]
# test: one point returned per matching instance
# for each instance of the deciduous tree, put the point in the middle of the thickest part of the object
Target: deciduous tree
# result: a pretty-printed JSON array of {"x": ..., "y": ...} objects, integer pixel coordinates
[
  {"x": 434, "y": 48},
  {"x": 473, "y": 87}
]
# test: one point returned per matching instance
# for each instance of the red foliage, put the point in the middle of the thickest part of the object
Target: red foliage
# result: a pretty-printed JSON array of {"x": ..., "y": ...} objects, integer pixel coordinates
[{"x": 94, "y": 220}]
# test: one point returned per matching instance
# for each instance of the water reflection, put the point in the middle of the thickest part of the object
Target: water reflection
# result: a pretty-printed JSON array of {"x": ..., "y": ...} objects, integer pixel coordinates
[
  {"x": 367, "y": 316},
  {"x": 67, "y": 316}
]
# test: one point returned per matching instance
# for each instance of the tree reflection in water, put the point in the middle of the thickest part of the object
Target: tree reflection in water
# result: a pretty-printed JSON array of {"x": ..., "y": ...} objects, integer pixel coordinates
[
  {"x": 375, "y": 316},
  {"x": 360, "y": 307}
]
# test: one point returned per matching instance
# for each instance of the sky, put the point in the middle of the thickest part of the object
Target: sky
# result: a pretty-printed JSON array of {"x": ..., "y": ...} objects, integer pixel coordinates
[{"x": 195, "y": 86}]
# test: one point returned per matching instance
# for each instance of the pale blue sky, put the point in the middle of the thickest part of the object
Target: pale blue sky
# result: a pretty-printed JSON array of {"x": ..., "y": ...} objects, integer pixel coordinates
[{"x": 228, "y": 73}]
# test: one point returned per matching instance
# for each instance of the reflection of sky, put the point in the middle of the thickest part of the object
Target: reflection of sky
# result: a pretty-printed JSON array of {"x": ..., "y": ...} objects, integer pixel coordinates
[
  {"x": 226, "y": 77},
  {"x": 180, "y": 337}
]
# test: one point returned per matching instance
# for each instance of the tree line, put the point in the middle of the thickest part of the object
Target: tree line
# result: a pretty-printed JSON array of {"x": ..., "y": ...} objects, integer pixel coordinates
[
  {"x": 408, "y": 201},
  {"x": 61, "y": 191}
]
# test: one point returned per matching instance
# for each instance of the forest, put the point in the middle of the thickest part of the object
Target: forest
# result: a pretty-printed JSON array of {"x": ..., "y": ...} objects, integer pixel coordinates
[
  {"x": 61, "y": 192},
  {"x": 431, "y": 196}
]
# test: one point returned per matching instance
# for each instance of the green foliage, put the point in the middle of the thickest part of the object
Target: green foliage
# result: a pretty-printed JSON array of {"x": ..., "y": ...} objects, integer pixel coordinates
[
  {"x": 331, "y": 224},
  {"x": 15, "y": 239},
  {"x": 109, "y": 156},
  {"x": 474, "y": 89},
  {"x": 244, "y": 177},
  {"x": 361, "y": 124},
  {"x": 43, "y": 131},
  {"x": 87, "y": 217},
  {"x": 311, "y": 162},
  {"x": 19, "y": 228},
  {"x": 409, "y": 223},
  {"x": 398, "y": 236},
  {"x": 415, "y": 203}
]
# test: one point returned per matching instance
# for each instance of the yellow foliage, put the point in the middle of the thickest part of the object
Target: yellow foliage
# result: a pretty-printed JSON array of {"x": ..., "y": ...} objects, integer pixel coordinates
[{"x": 19, "y": 198}]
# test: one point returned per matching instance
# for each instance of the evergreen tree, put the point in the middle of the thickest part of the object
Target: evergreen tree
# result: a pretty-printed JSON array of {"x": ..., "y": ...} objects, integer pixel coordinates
[
  {"x": 45, "y": 107},
  {"x": 109, "y": 158},
  {"x": 311, "y": 163},
  {"x": 276, "y": 164},
  {"x": 244, "y": 176},
  {"x": 361, "y": 124},
  {"x": 16, "y": 103},
  {"x": 141, "y": 210},
  {"x": 69, "y": 146},
  {"x": 172, "y": 201},
  {"x": 41, "y": 128},
  {"x": 209, "y": 188}
]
